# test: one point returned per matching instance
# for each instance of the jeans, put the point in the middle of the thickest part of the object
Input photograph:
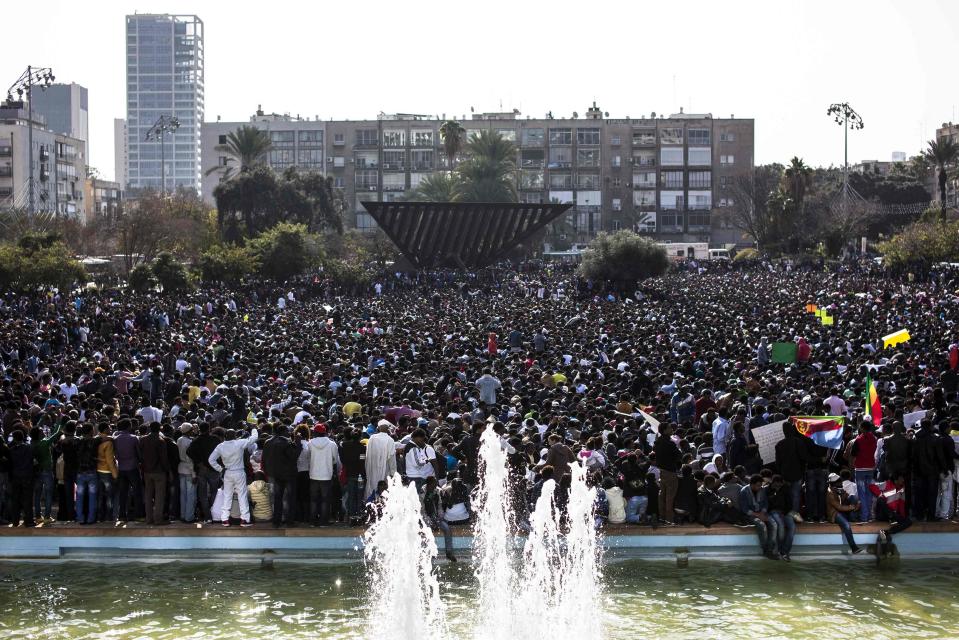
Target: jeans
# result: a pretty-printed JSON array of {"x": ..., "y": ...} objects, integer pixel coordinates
[
  {"x": 187, "y": 497},
  {"x": 669, "y": 485},
  {"x": 864, "y": 478},
  {"x": 444, "y": 527},
  {"x": 107, "y": 486},
  {"x": 816, "y": 494},
  {"x": 846, "y": 531},
  {"x": 284, "y": 500},
  {"x": 945, "y": 506},
  {"x": 129, "y": 484},
  {"x": 925, "y": 496},
  {"x": 767, "y": 532},
  {"x": 353, "y": 500},
  {"x": 43, "y": 486},
  {"x": 207, "y": 482},
  {"x": 87, "y": 497},
  {"x": 636, "y": 509},
  {"x": 785, "y": 531},
  {"x": 795, "y": 495},
  {"x": 322, "y": 490}
]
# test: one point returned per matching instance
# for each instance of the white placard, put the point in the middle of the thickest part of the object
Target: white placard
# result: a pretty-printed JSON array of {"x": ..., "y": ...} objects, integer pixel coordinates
[
  {"x": 766, "y": 437},
  {"x": 910, "y": 419}
]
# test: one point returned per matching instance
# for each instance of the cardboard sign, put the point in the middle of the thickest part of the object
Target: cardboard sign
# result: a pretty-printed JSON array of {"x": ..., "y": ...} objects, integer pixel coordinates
[
  {"x": 784, "y": 352},
  {"x": 895, "y": 338},
  {"x": 766, "y": 437}
]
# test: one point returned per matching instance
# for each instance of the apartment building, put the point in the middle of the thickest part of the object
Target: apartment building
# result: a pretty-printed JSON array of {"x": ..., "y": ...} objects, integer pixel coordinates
[
  {"x": 295, "y": 142},
  {"x": 948, "y": 131},
  {"x": 103, "y": 198},
  {"x": 662, "y": 175},
  {"x": 59, "y": 165},
  {"x": 66, "y": 109}
]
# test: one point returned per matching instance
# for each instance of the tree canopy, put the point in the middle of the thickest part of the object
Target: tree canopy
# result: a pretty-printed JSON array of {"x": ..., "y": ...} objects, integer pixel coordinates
[{"x": 623, "y": 258}]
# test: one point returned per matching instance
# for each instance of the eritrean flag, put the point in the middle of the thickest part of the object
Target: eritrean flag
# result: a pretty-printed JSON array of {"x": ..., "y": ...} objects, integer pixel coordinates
[
  {"x": 826, "y": 431},
  {"x": 873, "y": 406}
]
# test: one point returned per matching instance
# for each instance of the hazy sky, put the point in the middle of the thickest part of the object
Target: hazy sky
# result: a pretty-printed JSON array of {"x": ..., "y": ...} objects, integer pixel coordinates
[{"x": 781, "y": 63}]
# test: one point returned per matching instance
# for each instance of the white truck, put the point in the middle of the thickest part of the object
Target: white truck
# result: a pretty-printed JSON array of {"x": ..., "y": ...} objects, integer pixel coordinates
[{"x": 680, "y": 251}]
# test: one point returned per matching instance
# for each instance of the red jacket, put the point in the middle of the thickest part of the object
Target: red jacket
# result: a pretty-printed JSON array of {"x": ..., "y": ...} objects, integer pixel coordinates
[{"x": 895, "y": 498}]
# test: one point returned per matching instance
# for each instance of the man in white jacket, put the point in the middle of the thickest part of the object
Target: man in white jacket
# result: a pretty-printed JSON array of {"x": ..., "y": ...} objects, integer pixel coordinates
[
  {"x": 324, "y": 460},
  {"x": 230, "y": 451}
]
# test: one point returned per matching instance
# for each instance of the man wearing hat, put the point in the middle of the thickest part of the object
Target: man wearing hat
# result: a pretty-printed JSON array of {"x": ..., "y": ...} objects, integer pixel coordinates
[{"x": 836, "y": 511}]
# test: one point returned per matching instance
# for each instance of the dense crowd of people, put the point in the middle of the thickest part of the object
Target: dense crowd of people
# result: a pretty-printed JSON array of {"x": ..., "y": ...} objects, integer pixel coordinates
[{"x": 292, "y": 404}]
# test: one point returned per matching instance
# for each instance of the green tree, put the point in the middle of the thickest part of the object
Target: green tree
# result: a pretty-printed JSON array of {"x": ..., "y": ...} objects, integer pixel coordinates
[
  {"x": 227, "y": 263},
  {"x": 245, "y": 148},
  {"x": 623, "y": 258},
  {"x": 141, "y": 278},
  {"x": 751, "y": 196},
  {"x": 922, "y": 244},
  {"x": 170, "y": 273},
  {"x": 39, "y": 260},
  {"x": 436, "y": 187},
  {"x": 453, "y": 135},
  {"x": 796, "y": 181},
  {"x": 488, "y": 175},
  {"x": 286, "y": 250},
  {"x": 942, "y": 154},
  {"x": 155, "y": 222},
  {"x": 314, "y": 194}
]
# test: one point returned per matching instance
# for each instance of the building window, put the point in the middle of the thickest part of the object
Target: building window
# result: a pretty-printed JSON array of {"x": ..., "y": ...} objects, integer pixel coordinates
[
  {"x": 700, "y": 200},
  {"x": 615, "y": 141},
  {"x": 698, "y": 137},
  {"x": 394, "y": 138},
  {"x": 422, "y": 159},
  {"x": 671, "y": 156},
  {"x": 366, "y": 159},
  {"x": 727, "y": 159},
  {"x": 560, "y": 158},
  {"x": 532, "y": 137},
  {"x": 587, "y": 181},
  {"x": 421, "y": 137},
  {"x": 394, "y": 160},
  {"x": 339, "y": 139},
  {"x": 671, "y": 179},
  {"x": 644, "y": 158},
  {"x": 644, "y": 179},
  {"x": 617, "y": 204},
  {"x": 722, "y": 182},
  {"x": 645, "y": 198},
  {"x": 700, "y": 179},
  {"x": 587, "y": 157},
  {"x": 698, "y": 220},
  {"x": 587, "y": 136},
  {"x": 311, "y": 137},
  {"x": 671, "y": 135},
  {"x": 560, "y": 181},
  {"x": 561, "y": 136},
  {"x": 223, "y": 161},
  {"x": 531, "y": 180},
  {"x": 339, "y": 182},
  {"x": 644, "y": 137},
  {"x": 671, "y": 220},
  {"x": 366, "y": 179},
  {"x": 671, "y": 200},
  {"x": 281, "y": 137},
  {"x": 339, "y": 162},
  {"x": 364, "y": 221},
  {"x": 280, "y": 158},
  {"x": 531, "y": 197},
  {"x": 310, "y": 157},
  {"x": 729, "y": 136},
  {"x": 701, "y": 156},
  {"x": 221, "y": 139},
  {"x": 366, "y": 137},
  {"x": 532, "y": 158},
  {"x": 617, "y": 224},
  {"x": 394, "y": 182},
  {"x": 507, "y": 134}
]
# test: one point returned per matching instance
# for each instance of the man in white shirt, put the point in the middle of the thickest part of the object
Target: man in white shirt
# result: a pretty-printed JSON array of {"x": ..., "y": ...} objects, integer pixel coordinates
[
  {"x": 148, "y": 413},
  {"x": 836, "y": 405},
  {"x": 380, "y": 456},
  {"x": 488, "y": 385},
  {"x": 230, "y": 452},
  {"x": 420, "y": 459},
  {"x": 721, "y": 434},
  {"x": 68, "y": 389}
]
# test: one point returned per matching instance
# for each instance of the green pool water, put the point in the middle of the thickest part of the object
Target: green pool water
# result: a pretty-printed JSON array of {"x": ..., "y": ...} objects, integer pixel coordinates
[{"x": 747, "y": 599}]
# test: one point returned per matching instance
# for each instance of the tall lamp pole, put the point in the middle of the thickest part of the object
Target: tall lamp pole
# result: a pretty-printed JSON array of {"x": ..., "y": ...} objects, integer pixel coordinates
[
  {"x": 42, "y": 77},
  {"x": 158, "y": 132},
  {"x": 846, "y": 117}
]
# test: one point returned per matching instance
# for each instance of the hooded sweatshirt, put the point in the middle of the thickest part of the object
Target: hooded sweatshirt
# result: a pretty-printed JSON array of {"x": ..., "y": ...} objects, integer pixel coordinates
[
  {"x": 617, "y": 505},
  {"x": 324, "y": 456}
]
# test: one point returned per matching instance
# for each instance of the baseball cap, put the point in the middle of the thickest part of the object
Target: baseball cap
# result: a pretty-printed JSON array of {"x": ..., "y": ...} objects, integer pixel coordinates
[{"x": 833, "y": 477}]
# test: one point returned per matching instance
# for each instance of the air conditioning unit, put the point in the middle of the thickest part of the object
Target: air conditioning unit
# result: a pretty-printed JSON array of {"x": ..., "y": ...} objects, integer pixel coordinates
[
  {"x": 329, "y": 159},
  {"x": 372, "y": 188}
]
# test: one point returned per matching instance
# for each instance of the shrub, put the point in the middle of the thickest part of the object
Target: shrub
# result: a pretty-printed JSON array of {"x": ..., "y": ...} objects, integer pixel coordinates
[
  {"x": 286, "y": 250},
  {"x": 39, "y": 263},
  {"x": 227, "y": 263},
  {"x": 623, "y": 258},
  {"x": 141, "y": 278},
  {"x": 746, "y": 254},
  {"x": 170, "y": 273}
]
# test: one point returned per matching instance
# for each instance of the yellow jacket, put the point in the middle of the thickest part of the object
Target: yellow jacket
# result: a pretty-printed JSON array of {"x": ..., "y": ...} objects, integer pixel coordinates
[
  {"x": 262, "y": 501},
  {"x": 106, "y": 462}
]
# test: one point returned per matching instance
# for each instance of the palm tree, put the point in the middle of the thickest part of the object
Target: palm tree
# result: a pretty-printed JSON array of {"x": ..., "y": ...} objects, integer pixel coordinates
[
  {"x": 246, "y": 147},
  {"x": 453, "y": 135},
  {"x": 488, "y": 174},
  {"x": 797, "y": 178},
  {"x": 436, "y": 187},
  {"x": 941, "y": 154}
]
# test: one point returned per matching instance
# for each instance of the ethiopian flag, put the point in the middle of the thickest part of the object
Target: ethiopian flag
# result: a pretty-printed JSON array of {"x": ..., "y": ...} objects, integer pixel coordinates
[
  {"x": 873, "y": 406},
  {"x": 826, "y": 431}
]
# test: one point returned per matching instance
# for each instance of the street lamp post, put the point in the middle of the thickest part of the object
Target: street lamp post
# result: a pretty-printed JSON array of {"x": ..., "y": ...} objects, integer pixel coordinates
[
  {"x": 42, "y": 77},
  {"x": 158, "y": 132},
  {"x": 846, "y": 117}
]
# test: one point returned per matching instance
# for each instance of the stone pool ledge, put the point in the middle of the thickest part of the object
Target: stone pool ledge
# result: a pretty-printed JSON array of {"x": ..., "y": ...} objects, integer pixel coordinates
[{"x": 336, "y": 543}]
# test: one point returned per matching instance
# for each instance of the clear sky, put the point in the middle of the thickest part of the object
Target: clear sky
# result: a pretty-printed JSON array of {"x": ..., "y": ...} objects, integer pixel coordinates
[{"x": 780, "y": 62}]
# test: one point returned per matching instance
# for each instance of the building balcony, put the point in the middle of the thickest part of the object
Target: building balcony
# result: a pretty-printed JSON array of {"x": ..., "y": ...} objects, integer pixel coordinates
[
  {"x": 422, "y": 166},
  {"x": 699, "y": 207},
  {"x": 6, "y": 151},
  {"x": 394, "y": 187},
  {"x": 364, "y": 185},
  {"x": 559, "y": 165},
  {"x": 6, "y": 172},
  {"x": 394, "y": 166}
]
